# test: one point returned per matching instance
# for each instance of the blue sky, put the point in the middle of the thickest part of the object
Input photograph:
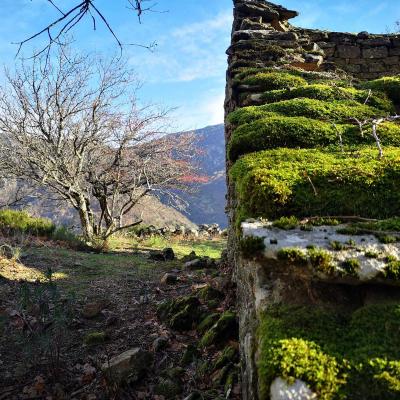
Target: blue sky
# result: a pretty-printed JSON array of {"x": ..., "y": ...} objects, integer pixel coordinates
[{"x": 187, "y": 70}]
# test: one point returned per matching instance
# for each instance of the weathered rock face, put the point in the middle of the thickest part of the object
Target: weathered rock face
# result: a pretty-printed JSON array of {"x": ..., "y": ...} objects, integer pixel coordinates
[{"x": 308, "y": 293}]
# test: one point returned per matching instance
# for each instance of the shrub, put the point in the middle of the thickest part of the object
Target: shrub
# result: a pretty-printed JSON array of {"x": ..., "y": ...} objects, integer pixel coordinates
[
  {"x": 281, "y": 182},
  {"x": 12, "y": 222}
]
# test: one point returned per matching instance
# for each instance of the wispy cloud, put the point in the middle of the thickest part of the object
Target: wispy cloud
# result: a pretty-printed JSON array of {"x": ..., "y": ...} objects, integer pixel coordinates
[{"x": 190, "y": 52}]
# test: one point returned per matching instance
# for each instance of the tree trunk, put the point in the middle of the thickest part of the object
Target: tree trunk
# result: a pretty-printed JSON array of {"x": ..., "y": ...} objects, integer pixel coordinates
[{"x": 86, "y": 218}]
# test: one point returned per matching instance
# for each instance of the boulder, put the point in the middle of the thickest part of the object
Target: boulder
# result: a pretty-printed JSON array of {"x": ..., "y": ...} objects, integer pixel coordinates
[{"x": 128, "y": 366}]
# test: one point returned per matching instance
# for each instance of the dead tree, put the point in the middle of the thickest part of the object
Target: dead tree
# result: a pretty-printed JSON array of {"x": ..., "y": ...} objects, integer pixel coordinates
[{"x": 74, "y": 127}]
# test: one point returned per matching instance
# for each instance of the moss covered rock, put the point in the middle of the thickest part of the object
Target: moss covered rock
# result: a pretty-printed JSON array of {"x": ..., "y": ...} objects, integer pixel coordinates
[
  {"x": 311, "y": 182},
  {"x": 225, "y": 328},
  {"x": 331, "y": 93},
  {"x": 181, "y": 313},
  {"x": 339, "y": 355}
]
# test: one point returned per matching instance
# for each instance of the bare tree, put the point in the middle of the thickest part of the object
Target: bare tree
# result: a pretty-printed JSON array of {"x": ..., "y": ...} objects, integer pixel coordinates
[
  {"x": 68, "y": 19},
  {"x": 74, "y": 127}
]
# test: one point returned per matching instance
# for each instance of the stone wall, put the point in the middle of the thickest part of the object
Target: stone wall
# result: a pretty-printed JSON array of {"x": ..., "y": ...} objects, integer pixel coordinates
[{"x": 263, "y": 38}]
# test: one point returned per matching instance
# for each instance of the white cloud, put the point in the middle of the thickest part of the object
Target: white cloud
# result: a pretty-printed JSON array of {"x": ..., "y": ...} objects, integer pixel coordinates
[{"x": 190, "y": 52}]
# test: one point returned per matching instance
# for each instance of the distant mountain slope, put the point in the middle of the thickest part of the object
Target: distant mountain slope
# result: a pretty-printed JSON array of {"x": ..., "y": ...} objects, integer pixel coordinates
[{"x": 207, "y": 205}]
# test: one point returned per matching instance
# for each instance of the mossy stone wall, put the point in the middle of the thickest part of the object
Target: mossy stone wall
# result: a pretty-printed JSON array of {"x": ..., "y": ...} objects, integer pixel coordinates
[{"x": 300, "y": 107}]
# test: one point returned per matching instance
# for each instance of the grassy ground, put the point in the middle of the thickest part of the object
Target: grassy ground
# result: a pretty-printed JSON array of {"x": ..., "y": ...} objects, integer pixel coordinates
[
  {"x": 182, "y": 246},
  {"x": 80, "y": 271}
]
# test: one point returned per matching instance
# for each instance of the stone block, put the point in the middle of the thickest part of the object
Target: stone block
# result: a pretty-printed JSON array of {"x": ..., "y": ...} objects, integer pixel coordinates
[
  {"x": 345, "y": 51},
  {"x": 392, "y": 60},
  {"x": 375, "y": 52}
]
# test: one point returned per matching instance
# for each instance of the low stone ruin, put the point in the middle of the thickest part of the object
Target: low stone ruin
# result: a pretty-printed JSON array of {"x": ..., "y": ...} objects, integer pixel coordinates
[{"x": 313, "y": 166}]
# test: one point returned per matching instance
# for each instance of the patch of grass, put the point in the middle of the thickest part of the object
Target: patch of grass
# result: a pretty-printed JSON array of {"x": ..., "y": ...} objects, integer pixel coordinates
[
  {"x": 321, "y": 260},
  {"x": 292, "y": 255},
  {"x": 371, "y": 254},
  {"x": 182, "y": 247},
  {"x": 392, "y": 270},
  {"x": 286, "y": 223},
  {"x": 390, "y": 85},
  {"x": 337, "y": 246},
  {"x": 351, "y": 266},
  {"x": 12, "y": 221}
]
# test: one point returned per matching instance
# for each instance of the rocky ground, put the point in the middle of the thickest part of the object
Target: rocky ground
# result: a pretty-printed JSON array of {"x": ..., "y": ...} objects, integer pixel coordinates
[{"x": 126, "y": 325}]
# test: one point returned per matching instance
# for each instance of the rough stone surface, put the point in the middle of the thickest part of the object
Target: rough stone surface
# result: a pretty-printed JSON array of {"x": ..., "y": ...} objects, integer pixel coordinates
[
  {"x": 130, "y": 365},
  {"x": 260, "y": 32},
  {"x": 281, "y": 390}
]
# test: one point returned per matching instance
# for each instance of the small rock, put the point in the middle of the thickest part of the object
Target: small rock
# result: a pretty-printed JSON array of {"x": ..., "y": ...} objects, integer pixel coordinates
[
  {"x": 169, "y": 279},
  {"x": 169, "y": 254},
  {"x": 281, "y": 390},
  {"x": 130, "y": 365},
  {"x": 93, "y": 310},
  {"x": 156, "y": 255},
  {"x": 160, "y": 343},
  {"x": 195, "y": 264},
  {"x": 167, "y": 388}
]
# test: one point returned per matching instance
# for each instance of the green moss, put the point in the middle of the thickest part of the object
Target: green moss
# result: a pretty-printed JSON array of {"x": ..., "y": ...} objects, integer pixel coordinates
[
  {"x": 389, "y": 85},
  {"x": 301, "y": 132},
  {"x": 209, "y": 293},
  {"x": 371, "y": 254},
  {"x": 392, "y": 270},
  {"x": 181, "y": 313},
  {"x": 207, "y": 322},
  {"x": 252, "y": 246},
  {"x": 387, "y": 239},
  {"x": 321, "y": 260},
  {"x": 273, "y": 80},
  {"x": 286, "y": 223},
  {"x": 292, "y": 255},
  {"x": 228, "y": 355},
  {"x": 281, "y": 182},
  {"x": 337, "y": 246},
  {"x": 225, "y": 328},
  {"x": 338, "y": 354},
  {"x": 351, "y": 266},
  {"x": 330, "y": 93},
  {"x": 335, "y": 111},
  {"x": 95, "y": 338}
]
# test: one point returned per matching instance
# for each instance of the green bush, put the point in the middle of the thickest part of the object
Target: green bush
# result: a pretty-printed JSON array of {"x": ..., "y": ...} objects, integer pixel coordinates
[
  {"x": 390, "y": 85},
  {"x": 339, "y": 355},
  {"x": 12, "y": 221},
  {"x": 287, "y": 182},
  {"x": 325, "y": 92}
]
